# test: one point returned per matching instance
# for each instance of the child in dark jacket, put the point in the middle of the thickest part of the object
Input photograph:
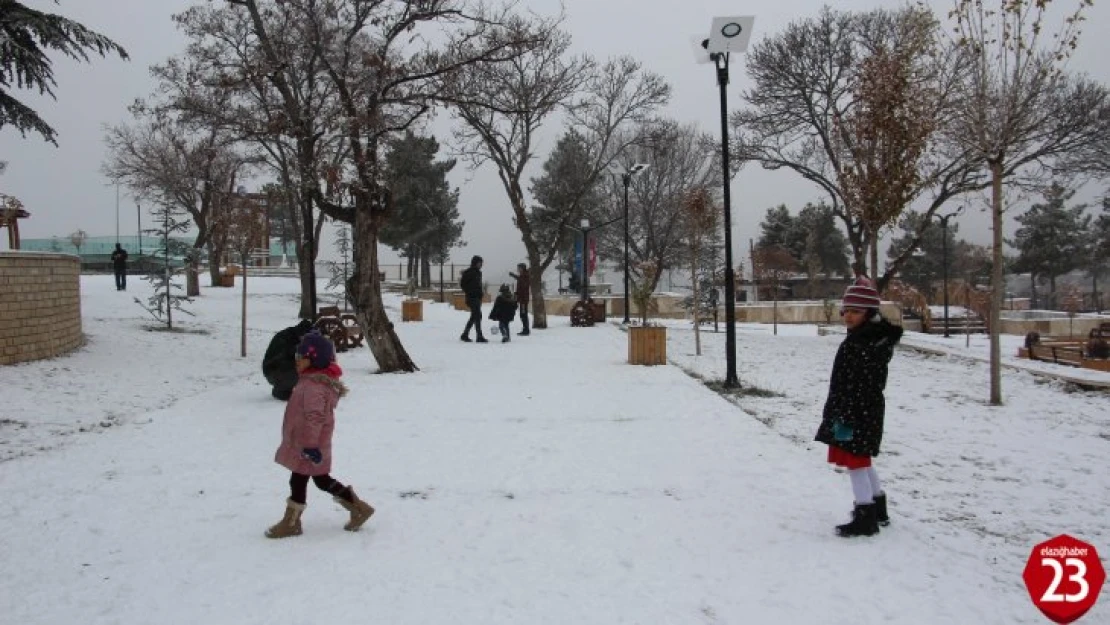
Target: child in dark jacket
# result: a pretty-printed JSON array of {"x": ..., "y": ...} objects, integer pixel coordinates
[
  {"x": 852, "y": 423},
  {"x": 504, "y": 311}
]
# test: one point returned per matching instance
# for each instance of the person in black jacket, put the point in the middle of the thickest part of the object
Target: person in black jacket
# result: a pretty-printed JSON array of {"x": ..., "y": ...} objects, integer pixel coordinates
[
  {"x": 523, "y": 284},
  {"x": 852, "y": 422},
  {"x": 119, "y": 266},
  {"x": 471, "y": 284},
  {"x": 504, "y": 311},
  {"x": 278, "y": 365}
]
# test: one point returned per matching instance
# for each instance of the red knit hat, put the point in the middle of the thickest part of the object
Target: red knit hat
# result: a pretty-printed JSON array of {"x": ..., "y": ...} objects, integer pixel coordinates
[{"x": 861, "y": 294}]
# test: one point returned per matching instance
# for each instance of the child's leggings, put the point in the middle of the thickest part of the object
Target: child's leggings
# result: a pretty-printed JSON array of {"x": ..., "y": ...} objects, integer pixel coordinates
[{"x": 298, "y": 486}]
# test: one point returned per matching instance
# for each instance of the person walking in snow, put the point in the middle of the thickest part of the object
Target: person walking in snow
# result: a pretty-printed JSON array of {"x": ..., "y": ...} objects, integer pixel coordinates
[
  {"x": 504, "y": 311},
  {"x": 306, "y": 433},
  {"x": 471, "y": 283},
  {"x": 852, "y": 422},
  {"x": 119, "y": 267},
  {"x": 523, "y": 283}
]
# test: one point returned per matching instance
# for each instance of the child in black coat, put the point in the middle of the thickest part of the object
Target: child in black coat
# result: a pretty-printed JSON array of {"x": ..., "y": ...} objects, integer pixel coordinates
[
  {"x": 852, "y": 423},
  {"x": 504, "y": 311}
]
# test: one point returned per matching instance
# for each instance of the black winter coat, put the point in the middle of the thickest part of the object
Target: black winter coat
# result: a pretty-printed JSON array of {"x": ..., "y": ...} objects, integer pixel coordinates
[
  {"x": 504, "y": 309},
  {"x": 856, "y": 387},
  {"x": 277, "y": 364},
  {"x": 471, "y": 283}
]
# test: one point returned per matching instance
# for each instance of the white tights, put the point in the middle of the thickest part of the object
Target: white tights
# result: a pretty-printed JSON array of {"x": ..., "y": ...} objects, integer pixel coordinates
[{"x": 865, "y": 484}]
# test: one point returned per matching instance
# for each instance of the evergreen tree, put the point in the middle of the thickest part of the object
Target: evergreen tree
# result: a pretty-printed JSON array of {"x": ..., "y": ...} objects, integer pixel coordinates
[
  {"x": 165, "y": 299},
  {"x": 425, "y": 224},
  {"x": 1050, "y": 241},
  {"x": 1098, "y": 251},
  {"x": 825, "y": 248},
  {"x": 777, "y": 228},
  {"x": 25, "y": 36},
  {"x": 559, "y": 193}
]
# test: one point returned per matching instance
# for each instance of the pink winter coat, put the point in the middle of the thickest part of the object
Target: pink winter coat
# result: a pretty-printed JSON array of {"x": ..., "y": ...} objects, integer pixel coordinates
[{"x": 309, "y": 422}]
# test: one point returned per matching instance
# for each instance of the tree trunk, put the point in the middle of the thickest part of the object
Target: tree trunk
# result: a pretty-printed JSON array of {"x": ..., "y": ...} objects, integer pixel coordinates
[
  {"x": 997, "y": 288},
  {"x": 426, "y": 271},
  {"x": 1052, "y": 293},
  {"x": 213, "y": 263},
  {"x": 875, "y": 259},
  {"x": 697, "y": 301},
  {"x": 1033, "y": 303},
  {"x": 192, "y": 276},
  {"x": 243, "y": 333},
  {"x": 383, "y": 342}
]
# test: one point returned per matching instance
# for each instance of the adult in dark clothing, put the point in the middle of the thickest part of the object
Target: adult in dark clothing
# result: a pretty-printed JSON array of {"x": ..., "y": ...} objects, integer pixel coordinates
[
  {"x": 119, "y": 265},
  {"x": 471, "y": 284},
  {"x": 852, "y": 422},
  {"x": 522, "y": 285},
  {"x": 504, "y": 311},
  {"x": 278, "y": 365}
]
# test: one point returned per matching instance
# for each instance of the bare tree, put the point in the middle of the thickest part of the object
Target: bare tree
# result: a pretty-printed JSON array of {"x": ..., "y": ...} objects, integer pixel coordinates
[
  {"x": 773, "y": 264},
  {"x": 1018, "y": 112},
  {"x": 388, "y": 64},
  {"x": 503, "y": 106},
  {"x": 77, "y": 239},
  {"x": 702, "y": 226},
  {"x": 884, "y": 135},
  {"x": 223, "y": 80},
  {"x": 808, "y": 77},
  {"x": 162, "y": 158},
  {"x": 682, "y": 160},
  {"x": 245, "y": 231}
]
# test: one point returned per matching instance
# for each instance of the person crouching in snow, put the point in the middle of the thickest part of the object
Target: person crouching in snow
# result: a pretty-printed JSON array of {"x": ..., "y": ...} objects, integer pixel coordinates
[
  {"x": 504, "y": 311},
  {"x": 306, "y": 433},
  {"x": 852, "y": 423}
]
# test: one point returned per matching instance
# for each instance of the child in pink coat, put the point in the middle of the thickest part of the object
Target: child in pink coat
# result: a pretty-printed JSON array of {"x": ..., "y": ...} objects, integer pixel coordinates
[{"x": 306, "y": 433}]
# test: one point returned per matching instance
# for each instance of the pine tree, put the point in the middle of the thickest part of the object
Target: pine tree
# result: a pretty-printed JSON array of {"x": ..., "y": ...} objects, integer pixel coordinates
[
  {"x": 425, "y": 224},
  {"x": 165, "y": 300},
  {"x": 1050, "y": 241},
  {"x": 25, "y": 36}
]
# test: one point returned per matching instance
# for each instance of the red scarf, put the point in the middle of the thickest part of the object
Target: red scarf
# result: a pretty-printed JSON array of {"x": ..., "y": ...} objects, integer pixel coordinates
[{"x": 332, "y": 371}]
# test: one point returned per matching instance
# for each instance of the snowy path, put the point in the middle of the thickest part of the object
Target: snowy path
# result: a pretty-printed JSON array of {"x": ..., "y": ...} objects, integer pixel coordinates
[{"x": 544, "y": 481}]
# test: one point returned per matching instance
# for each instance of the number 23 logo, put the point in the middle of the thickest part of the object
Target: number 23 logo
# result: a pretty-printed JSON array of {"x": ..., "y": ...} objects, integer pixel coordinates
[{"x": 1079, "y": 577}]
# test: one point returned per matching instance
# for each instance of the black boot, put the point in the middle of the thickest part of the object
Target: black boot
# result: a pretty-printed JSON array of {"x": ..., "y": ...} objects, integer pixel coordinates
[
  {"x": 464, "y": 338},
  {"x": 481, "y": 339},
  {"x": 863, "y": 522},
  {"x": 880, "y": 510}
]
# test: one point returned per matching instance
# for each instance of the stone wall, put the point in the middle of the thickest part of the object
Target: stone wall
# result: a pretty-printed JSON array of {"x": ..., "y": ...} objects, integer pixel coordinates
[{"x": 40, "y": 305}]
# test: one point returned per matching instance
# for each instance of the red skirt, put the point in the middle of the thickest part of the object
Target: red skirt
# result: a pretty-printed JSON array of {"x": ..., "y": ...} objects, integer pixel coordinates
[{"x": 846, "y": 459}]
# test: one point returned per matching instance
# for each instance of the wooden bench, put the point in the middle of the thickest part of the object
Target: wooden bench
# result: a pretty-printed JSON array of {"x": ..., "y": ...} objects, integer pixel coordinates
[{"x": 342, "y": 328}]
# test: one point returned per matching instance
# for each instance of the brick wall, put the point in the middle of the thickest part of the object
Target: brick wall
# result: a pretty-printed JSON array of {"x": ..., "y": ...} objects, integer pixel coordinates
[{"x": 40, "y": 305}]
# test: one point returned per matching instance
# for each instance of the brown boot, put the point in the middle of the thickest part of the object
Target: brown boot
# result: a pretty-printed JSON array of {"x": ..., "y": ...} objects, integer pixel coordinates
[
  {"x": 290, "y": 524},
  {"x": 359, "y": 509}
]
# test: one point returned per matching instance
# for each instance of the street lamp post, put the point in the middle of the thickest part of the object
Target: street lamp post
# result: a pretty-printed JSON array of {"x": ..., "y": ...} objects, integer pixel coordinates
[
  {"x": 727, "y": 34},
  {"x": 586, "y": 229},
  {"x": 943, "y": 219},
  {"x": 626, "y": 180}
]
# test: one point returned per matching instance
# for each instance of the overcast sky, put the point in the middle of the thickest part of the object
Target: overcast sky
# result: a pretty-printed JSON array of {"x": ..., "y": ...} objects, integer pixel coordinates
[{"x": 64, "y": 189}]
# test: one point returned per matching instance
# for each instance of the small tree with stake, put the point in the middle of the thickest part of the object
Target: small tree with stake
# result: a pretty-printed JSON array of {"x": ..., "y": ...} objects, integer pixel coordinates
[
  {"x": 246, "y": 227},
  {"x": 164, "y": 300}
]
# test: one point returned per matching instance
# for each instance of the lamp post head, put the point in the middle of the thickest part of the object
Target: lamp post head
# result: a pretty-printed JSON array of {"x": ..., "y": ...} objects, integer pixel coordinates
[{"x": 585, "y": 223}]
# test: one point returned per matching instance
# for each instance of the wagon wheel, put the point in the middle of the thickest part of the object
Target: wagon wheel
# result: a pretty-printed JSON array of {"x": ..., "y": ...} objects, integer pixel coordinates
[
  {"x": 581, "y": 315},
  {"x": 332, "y": 328}
]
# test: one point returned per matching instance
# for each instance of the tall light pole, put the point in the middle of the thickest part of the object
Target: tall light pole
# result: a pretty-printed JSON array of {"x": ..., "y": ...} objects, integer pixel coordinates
[
  {"x": 139, "y": 222},
  {"x": 727, "y": 34},
  {"x": 626, "y": 180},
  {"x": 117, "y": 212},
  {"x": 943, "y": 219}
]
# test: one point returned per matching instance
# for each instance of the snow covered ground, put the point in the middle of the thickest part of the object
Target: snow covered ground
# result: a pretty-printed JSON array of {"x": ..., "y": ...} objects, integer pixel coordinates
[{"x": 543, "y": 481}]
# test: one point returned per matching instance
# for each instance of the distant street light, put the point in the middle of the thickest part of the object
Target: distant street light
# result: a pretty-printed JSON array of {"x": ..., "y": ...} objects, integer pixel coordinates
[
  {"x": 586, "y": 229},
  {"x": 726, "y": 35},
  {"x": 626, "y": 179},
  {"x": 943, "y": 219}
]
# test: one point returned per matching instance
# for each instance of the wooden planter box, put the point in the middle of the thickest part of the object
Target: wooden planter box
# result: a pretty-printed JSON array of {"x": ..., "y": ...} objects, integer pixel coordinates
[
  {"x": 458, "y": 300},
  {"x": 412, "y": 310},
  {"x": 647, "y": 345},
  {"x": 227, "y": 279}
]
